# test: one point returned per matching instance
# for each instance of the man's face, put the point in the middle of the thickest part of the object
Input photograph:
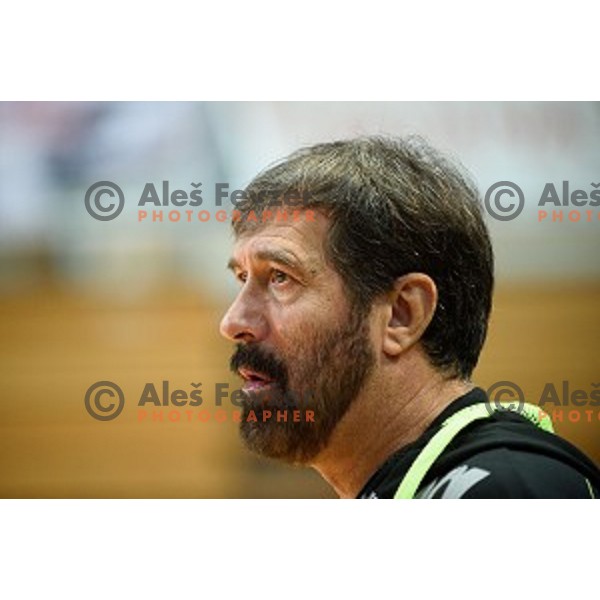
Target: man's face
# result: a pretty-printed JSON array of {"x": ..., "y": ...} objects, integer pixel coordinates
[{"x": 300, "y": 342}]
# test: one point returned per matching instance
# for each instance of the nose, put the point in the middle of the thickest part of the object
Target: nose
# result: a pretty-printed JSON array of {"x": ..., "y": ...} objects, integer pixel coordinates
[{"x": 245, "y": 320}]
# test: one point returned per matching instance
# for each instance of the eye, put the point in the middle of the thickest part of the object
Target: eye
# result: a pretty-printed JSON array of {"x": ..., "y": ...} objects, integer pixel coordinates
[{"x": 279, "y": 277}]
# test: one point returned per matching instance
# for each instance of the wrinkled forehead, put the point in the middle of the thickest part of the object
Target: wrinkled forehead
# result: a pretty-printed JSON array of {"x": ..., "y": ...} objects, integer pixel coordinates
[{"x": 303, "y": 237}]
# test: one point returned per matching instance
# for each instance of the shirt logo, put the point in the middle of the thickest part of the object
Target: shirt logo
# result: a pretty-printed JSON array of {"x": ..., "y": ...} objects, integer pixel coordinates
[{"x": 455, "y": 484}]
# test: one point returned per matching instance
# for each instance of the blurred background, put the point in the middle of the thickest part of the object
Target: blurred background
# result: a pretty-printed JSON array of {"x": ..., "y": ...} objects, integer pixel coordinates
[{"x": 82, "y": 300}]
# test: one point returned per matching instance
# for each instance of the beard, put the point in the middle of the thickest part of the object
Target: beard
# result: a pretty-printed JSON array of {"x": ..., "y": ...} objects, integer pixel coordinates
[{"x": 324, "y": 374}]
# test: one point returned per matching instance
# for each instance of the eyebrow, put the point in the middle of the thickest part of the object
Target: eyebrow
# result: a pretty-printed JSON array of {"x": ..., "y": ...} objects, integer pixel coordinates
[{"x": 282, "y": 257}]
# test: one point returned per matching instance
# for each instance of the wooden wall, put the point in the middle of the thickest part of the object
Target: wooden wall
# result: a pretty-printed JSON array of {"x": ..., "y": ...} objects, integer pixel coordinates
[{"x": 54, "y": 345}]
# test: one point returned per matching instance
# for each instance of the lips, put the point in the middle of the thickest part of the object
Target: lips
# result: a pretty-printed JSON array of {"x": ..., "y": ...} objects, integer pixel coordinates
[{"x": 253, "y": 380}]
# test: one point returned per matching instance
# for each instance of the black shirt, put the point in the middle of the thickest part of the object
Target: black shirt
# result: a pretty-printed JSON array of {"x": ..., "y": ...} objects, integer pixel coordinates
[{"x": 503, "y": 456}]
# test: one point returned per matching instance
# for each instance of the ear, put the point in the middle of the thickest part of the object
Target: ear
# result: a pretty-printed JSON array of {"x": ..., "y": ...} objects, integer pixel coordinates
[{"x": 412, "y": 304}]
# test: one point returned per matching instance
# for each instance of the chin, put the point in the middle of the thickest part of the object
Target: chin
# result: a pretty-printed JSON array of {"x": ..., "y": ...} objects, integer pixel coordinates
[{"x": 280, "y": 442}]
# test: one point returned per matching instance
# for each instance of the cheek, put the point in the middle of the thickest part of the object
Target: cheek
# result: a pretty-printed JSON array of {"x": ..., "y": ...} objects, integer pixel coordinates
[
  {"x": 282, "y": 326},
  {"x": 294, "y": 330},
  {"x": 297, "y": 325}
]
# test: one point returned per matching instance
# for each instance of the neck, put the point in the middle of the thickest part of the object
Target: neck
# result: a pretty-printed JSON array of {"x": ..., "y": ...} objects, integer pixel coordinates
[{"x": 381, "y": 421}]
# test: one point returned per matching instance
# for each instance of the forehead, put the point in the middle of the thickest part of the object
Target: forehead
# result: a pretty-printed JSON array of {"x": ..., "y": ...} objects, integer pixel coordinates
[{"x": 304, "y": 238}]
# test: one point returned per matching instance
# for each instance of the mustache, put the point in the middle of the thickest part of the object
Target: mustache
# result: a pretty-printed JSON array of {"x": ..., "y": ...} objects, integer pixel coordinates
[{"x": 251, "y": 356}]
